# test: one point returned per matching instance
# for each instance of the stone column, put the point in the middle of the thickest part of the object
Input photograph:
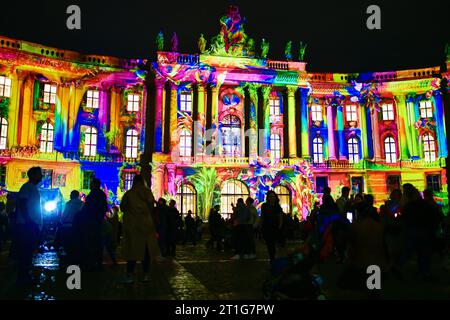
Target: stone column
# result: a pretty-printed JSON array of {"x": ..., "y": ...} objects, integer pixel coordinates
[
  {"x": 201, "y": 121},
  {"x": 27, "y": 111},
  {"x": 215, "y": 120},
  {"x": 291, "y": 122},
  {"x": 330, "y": 127},
  {"x": 364, "y": 140},
  {"x": 340, "y": 133},
  {"x": 174, "y": 138},
  {"x": 305, "y": 123},
  {"x": 266, "y": 90},
  {"x": 159, "y": 124},
  {"x": 253, "y": 125},
  {"x": 14, "y": 107},
  {"x": 404, "y": 133},
  {"x": 376, "y": 134}
]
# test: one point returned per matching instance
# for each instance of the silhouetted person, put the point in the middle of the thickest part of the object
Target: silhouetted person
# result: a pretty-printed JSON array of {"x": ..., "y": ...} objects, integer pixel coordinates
[
  {"x": 271, "y": 222},
  {"x": 73, "y": 208},
  {"x": 216, "y": 228},
  {"x": 161, "y": 216},
  {"x": 173, "y": 225},
  {"x": 29, "y": 224},
  {"x": 190, "y": 229},
  {"x": 343, "y": 203},
  {"x": 94, "y": 211},
  {"x": 253, "y": 224},
  {"x": 242, "y": 220},
  {"x": 139, "y": 241}
]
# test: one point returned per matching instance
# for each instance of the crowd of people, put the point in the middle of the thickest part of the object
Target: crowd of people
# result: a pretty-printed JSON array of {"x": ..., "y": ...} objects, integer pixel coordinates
[{"x": 349, "y": 229}]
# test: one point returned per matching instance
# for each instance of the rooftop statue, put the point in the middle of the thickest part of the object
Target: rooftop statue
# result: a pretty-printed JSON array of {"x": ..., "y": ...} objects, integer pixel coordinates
[
  {"x": 301, "y": 51},
  {"x": 264, "y": 48},
  {"x": 202, "y": 44},
  {"x": 174, "y": 42},
  {"x": 288, "y": 51},
  {"x": 160, "y": 41}
]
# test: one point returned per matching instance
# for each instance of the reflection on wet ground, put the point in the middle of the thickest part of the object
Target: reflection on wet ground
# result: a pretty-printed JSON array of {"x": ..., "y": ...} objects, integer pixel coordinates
[{"x": 197, "y": 273}]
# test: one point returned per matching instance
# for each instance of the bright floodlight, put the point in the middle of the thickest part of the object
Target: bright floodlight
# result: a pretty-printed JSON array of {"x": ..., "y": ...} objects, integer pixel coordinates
[{"x": 50, "y": 206}]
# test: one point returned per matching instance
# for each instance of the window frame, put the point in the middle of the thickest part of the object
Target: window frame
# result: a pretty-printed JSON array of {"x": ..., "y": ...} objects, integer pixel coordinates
[
  {"x": 274, "y": 106},
  {"x": 185, "y": 143},
  {"x": 92, "y": 147},
  {"x": 234, "y": 195},
  {"x": 235, "y": 129},
  {"x": 387, "y": 112},
  {"x": 133, "y": 104},
  {"x": 5, "y": 87},
  {"x": 132, "y": 149},
  {"x": 50, "y": 94},
  {"x": 275, "y": 141},
  {"x": 390, "y": 155},
  {"x": 93, "y": 99},
  {"x": 46, "y": 144},
  {"x": 4, "y": 127},
  {"x": 433, "y": 183},
  {"x": 426, "y": 109},
  {"x": 183, "y": 197},
  {"x": 429, "y": 147},
  {"x": 185, "y": 102},
  {"x": 315, "y": 150},
  {"x": 351, "y": 156},
  {"x": 316, "y": 109},
  {"x": 351, "y": 111},
  {"x": 286, "y": 196}
]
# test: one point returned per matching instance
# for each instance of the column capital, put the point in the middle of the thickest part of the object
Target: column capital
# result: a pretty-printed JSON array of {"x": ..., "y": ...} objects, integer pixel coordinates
[
  {"x": 291, "y": 90},
  {"x": 160, "y": 82}
]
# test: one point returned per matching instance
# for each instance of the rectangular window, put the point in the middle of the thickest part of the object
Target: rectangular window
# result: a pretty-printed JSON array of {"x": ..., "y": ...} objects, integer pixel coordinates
[
  {"x": 274, "y": 106},
  {"x": 5, "y": 87},
  {"x": 3, "y": 175},
  {"x": 388, "y": 111},
  {"x": 426, "y": 109},
  {"x": 316, "y": 113},
  {"x": 128, "y": 180},
  {"x": 321, "y": 184},
  {"x": 186, "y": 101},
  {"x": 393, "y": 182},
  {"x": 88, "y": 175},
  {"x": 434, "y": 182},
  {"x": 93, "y": 98},
  {"x": 49, "y": 94},
  {"x": 133, "y": 104},
  {"x": 351, "y": 113}
]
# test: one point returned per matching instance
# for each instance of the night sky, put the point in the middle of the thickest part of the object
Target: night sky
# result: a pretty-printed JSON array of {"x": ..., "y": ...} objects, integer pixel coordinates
[{"x": 412, "y": 35}]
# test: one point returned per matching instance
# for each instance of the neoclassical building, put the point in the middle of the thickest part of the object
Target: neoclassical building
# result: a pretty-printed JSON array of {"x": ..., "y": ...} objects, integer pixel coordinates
[{"x": 224, "y": 123}]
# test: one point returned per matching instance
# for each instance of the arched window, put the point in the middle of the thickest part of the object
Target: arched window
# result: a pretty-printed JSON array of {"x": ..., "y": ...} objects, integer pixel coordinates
[
  {"x": 285, "y": 198},
  {"x": 231, "y": 136},
  {"x": 275, "y": 146},
  {"x": 186, "y": 199},
  {"x": 231, "y": 191},
  {"x": 429, "y": 147},
  {"x": 47, "y": 138},
  {"x": 90, "y": 142},
  {"x": 131, "y": 144},
  {"x": 317, "y": 150},
  {"x": 353, "y": 150},
  {"x": 185, "y": 143},
  {"x": 3, "y": 133},
  {"x": 390, "y": 150}
]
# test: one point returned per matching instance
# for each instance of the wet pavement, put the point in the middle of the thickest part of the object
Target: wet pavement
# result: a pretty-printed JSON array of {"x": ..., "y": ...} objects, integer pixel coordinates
[{"x": 198, "y": 273}]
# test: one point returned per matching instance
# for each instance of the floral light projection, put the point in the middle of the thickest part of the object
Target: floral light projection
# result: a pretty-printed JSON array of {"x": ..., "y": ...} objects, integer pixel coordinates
[{"x": 206, "y": 183}]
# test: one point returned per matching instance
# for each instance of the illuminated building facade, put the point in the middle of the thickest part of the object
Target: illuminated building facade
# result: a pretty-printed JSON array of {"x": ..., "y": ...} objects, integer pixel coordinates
[{"x": 225, "y": 123}]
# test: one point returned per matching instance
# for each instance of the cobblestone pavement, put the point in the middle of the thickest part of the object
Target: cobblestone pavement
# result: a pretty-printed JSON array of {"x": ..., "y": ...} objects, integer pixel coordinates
[{"x": 198, "y": 273}]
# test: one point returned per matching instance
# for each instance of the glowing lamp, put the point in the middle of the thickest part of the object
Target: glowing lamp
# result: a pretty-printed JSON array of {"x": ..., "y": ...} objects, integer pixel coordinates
[{"x": 50, "y": 206}]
